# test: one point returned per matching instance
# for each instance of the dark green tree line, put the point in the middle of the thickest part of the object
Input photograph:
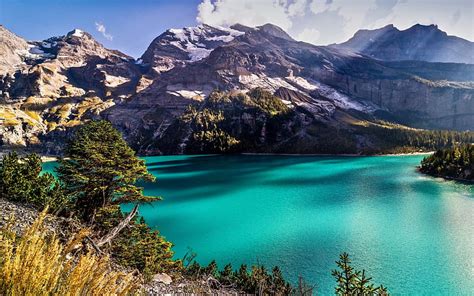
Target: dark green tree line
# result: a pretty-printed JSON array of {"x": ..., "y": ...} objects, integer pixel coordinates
[{"x": 456, "y": 163}]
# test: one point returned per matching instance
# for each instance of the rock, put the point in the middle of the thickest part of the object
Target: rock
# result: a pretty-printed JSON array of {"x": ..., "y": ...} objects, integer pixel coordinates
[{"x": 162, "y": 278}]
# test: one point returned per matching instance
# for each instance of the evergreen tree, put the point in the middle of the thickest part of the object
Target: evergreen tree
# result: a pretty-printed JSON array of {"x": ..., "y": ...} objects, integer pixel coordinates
[
  {"x": 352, "y": 282},
  {"x": 21, "y": 181},
  {"x": 100, "y": 169}
]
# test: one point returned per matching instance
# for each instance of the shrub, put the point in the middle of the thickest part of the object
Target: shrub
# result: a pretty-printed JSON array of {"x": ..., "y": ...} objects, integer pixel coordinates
[{"x": 257, "y": 280}]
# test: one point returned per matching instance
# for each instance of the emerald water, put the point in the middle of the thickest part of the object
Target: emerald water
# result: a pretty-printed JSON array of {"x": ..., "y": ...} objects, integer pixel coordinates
[{"x": 414, "y": 234}]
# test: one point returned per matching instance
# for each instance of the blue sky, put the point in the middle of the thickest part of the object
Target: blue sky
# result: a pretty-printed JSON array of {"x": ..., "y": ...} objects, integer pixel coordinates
[{"x": 130, "y": 25}]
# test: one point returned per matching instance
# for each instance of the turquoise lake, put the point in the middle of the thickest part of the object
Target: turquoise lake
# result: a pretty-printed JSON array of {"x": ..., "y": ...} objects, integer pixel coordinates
[{"x": 410, "y": 232}]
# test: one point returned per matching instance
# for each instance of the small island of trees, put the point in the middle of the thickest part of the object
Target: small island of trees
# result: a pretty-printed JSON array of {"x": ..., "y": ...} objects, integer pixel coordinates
[{"x": 452, "y": 163}]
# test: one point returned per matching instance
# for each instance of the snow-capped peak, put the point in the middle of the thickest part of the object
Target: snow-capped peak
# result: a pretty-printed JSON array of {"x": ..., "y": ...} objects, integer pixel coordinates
[
  {"x": 76, "y": 33},
  {"x": 200, "y": 41}
]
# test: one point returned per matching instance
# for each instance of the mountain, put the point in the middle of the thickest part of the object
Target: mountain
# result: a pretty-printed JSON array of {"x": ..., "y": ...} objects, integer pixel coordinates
[
  {"x": 53, "y": 83},
  {"x": 240, "y": 89},
  {"x": 421, "y": 43},
  {"x": 13, "y": 48}
]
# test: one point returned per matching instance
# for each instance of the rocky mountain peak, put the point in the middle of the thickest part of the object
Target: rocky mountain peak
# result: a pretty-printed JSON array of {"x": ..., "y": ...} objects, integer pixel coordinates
[
  {"x": 418, "y": 29},
  {"x": 76, "y": 33},
  {"x": 419, "y": 42},
  {"x": 66, "y": 80},
  {"x": 275, "y": 31},
  {"x": 13, "y": 50},
  {"x": 175, "y": 47}
]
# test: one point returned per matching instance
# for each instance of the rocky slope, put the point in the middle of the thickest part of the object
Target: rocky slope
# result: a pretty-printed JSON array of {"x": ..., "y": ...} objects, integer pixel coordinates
[
  {"x": 421, "y": 43},
  {"x": 73, "y": 78}
]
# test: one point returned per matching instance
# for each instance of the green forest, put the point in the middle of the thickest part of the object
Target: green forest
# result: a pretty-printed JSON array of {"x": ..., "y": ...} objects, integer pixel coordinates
[
  {"x": 259, "y": 122},
  {"x": 451, "y": 163}
]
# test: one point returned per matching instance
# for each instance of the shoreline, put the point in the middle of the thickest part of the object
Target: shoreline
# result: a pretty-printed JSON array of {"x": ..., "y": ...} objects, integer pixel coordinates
[
  {"x": 49, "y": 158},
  {"x": 344, "y": 154},
  {"x": 447, "y": 178}
]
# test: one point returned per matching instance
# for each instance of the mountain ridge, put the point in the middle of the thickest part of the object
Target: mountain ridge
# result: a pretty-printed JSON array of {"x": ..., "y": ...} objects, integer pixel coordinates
[
  {"x": 419, "y": 42},
  {"x": 78, "y": 79}
]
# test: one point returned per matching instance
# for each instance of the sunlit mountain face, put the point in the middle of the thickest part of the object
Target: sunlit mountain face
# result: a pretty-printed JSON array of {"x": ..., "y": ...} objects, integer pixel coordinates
[{"x": 50, "y": 87}]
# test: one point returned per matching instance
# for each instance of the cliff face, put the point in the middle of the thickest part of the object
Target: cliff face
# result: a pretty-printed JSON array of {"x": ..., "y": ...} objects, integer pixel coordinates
[
  {"x": 72, "y": 78},
  {"x": 416, "y": 102}
]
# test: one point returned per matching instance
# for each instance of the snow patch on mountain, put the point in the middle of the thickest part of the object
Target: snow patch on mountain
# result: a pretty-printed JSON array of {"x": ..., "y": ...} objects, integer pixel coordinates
[
  {"x": 188, "y": 94},
  {"x": 34, "y": 53},
  {"x": 341, "y": 100},
  {"x": 114, "y": 81},
  {"x": 301, "y": 82},
  {"x": 193, "y": 92},
  {"x": 198, "y": 53},
  {"x": 264, "y": 81},
  {"x": 76, "y": 33},
  {"x": 200, "y": 41}
]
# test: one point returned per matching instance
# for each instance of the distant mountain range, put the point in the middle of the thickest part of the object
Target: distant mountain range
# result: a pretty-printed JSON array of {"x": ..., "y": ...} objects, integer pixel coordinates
[
  {"x": 382, "y": 79},
  {"x": 419, "y": 43}
]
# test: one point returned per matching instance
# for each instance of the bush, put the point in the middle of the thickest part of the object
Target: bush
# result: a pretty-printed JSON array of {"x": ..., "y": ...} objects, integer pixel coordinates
[{"x": 38, "y": 264}]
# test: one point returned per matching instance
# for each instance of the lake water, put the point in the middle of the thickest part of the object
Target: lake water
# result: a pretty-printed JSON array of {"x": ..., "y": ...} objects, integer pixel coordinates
[{"x": 413, "y": 233}]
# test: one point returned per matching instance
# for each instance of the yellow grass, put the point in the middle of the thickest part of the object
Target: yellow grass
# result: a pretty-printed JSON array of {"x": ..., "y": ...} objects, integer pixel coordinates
[
  {"x": 11, "y": 122},
  {"x": 38, "y": 264},
  {"x": 51, "y": 125},
  {"x": 33, "y": 114}
]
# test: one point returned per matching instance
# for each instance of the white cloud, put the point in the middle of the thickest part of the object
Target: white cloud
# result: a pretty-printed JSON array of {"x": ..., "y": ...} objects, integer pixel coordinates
[
  {"x": 246, "y": 12},
  {"x": 308, "y": 35},
  {"x": 103, "y": 30},
  {"x": 297, "y": 8},
  {"x": 353, "y": 12},
  {"x": 318, "y": 6},
  {"x": 334, "y": 21}
]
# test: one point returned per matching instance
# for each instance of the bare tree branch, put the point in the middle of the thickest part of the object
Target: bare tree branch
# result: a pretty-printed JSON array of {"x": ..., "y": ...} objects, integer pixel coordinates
[{"x": 116, "y": 230}]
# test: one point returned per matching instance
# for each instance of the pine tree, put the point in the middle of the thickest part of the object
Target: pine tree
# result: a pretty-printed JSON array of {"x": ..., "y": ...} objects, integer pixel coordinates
[
  {"x": 100, "y": 169},
  {"x": 21, "y": 181},
  {"x": 352, "y": 282}
]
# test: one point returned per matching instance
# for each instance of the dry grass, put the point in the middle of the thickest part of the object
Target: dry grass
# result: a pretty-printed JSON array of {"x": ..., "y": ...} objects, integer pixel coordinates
[
  {"x": 51, "y": 125},
  {"x": 38, "y": 264},
  {"x": 34, "y": 115},
  {"x": 8, "y": 117}
]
